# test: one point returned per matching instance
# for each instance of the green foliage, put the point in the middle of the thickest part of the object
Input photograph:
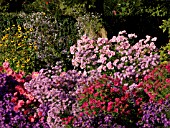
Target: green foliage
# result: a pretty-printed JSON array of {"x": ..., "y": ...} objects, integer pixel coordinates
[
  {"x": 51, "y": 7},
  {"x": 135, "y": 7},
  {"x": 89, "y": 24},
  {"x": 9, "y": 19},
  {"x": 165, "y": 53},
  {"x": 12, "y": 5},
  {"x": 166, "y": 26}
]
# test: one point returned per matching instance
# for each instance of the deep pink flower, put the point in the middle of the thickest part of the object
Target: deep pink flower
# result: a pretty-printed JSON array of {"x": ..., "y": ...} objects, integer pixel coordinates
[
  {"x": 109, "y": 107},
  {"x": 116, "y": 110},
  {"x": 9, "y": 71},
  {"x": 167, "y": 80},
  {"x": 16, "y": 108},
  {"x": 14, "y": 99},
  {"x": 20, "y": 89},
  {"x": 20, "y": 103},
  {"x": 117, "y": 82},
  {"x": 84, "y": 105},
  {"x": 117, "y": 100},
  {"x": 6, "y": 65},
  {"x": 35, "y": 74},
  {"x": 168, "y": 68}
]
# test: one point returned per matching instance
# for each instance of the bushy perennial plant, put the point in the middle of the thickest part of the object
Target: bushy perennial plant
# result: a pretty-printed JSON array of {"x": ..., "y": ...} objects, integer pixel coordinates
[
  {"x": 57, "y": 90},
  {"x": 157, "y": 83},
  {"x": 120, "y": 56},
  {"x": 16, "y": 48},
  {"x": 54, "y": 36},
  {"x": 155, "y": 115},
  {"x": 106, "y": 95}
]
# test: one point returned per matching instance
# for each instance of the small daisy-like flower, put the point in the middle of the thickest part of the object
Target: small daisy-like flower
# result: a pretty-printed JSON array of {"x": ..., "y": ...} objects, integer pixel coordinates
[
  {"x": 31, "y": 29},
  {"x": 19, "y": 28}
]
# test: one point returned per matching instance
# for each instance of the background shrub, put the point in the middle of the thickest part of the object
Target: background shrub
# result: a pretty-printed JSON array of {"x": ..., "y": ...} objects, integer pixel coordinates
[{"x": 54, "y": 36}]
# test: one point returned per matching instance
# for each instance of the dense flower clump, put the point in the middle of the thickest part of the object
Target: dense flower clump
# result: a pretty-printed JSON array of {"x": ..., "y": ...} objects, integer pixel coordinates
[
  {"x": 117, "y": 56},
  {"x": 58, "y": 91},
  {"x": 17, "y": 106},
  {"x": 157, "y": 83},
  {"x": 156, "y": 114}
]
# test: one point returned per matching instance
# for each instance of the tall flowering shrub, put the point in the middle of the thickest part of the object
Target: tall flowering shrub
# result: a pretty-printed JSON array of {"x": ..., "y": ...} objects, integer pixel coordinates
[
  {"x": 121, "y": 56},
  {"x": 54, "y": 36}
]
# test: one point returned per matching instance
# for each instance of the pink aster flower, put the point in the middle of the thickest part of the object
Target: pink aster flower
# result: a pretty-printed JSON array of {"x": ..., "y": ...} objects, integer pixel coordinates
[{"x": 109, "y": 65}]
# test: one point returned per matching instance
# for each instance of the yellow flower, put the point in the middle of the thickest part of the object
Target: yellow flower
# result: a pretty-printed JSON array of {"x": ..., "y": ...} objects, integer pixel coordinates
[
  {"x": 25, "y": 36},
  {"x": 3, "y": 38},
  {"x": 13, "y": 25},
  {"x": 19, "y": 35},
  {"x": 19, "y": 28},
  {"x": 27, "y": 60},
  {"x": 19, "y": 44},
  {"x": 1, "y": 44},
  {"x": 6, "y": 59},
  {"x": 35, "y": 47},
  {"x": 12, "y": 41},
  {"x": 22, "y": 66},
  {"x": 165, "y": 62},
  {"x": 31, "y": 29},
  {"x": 8, "y": 29}
]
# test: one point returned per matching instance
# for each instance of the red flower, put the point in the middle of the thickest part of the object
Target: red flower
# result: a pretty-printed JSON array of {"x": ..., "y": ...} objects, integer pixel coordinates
[
  {"x": 138, "y": 101},
  {"x": 26, "y": 112},
  {"x": 124, "y": 88},
  {"x": 116, "y": 110},
  {"x": 14, "y": 99},
  {"x": 40, "y": 113},
  {"x": 31, "y": 118},
  {"x": 1, "y": 68},
  {"x": 16, "y": 108}
]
